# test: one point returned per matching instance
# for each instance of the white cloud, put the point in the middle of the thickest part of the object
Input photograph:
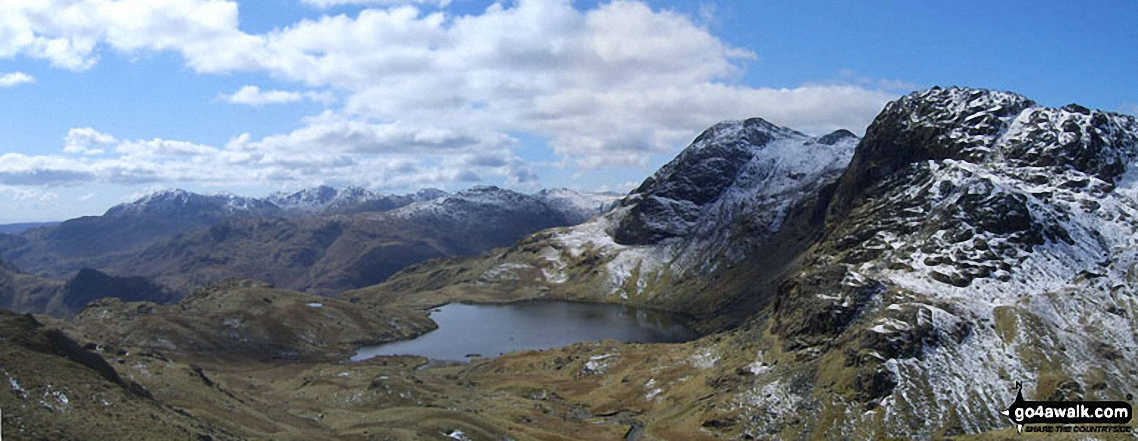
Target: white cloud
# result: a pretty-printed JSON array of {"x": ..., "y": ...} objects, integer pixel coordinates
[
  {"x": 254, "y": 96},
  {"x": 15, "y": 78},
  {"x": 331, "y": 132},
  {"x": 329, "y": 148},
  {"x": 67, "y": 32},
  {"x": 609, "y": 87},
  {"x": 81, "y": 140},
  {"x": 164, "y": 147}
]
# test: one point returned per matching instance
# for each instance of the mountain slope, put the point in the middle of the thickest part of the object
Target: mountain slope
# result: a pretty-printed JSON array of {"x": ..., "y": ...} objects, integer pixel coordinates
[{"x": 975, "y": 239}]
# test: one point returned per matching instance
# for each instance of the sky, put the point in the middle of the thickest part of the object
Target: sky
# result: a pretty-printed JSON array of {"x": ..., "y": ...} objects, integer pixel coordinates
[{"x": 103, "y": 101}]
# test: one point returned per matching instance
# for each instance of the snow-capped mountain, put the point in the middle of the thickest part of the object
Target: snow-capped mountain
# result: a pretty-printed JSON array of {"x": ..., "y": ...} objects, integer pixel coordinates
[
  {"x": 575, "y": 206},
  {"x": 178, "y": 202},
  {"x": 329, "y": 200},
  {"x": 491, "y": 204},
  {"x": 316, "y": 200},
  {"x": 975, "y": 239}
]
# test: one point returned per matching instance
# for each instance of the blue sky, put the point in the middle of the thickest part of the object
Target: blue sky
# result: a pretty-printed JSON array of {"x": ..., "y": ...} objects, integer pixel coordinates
[{"x": 102, "y": 101}]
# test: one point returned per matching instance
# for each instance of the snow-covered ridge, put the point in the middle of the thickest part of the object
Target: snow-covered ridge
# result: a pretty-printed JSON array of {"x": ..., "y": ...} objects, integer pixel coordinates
[
  {"x": 181, "y": 202},
  {"x": 572, "y": 205}
]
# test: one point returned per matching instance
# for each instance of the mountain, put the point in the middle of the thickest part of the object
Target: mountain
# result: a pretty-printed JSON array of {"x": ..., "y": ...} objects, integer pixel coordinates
[
  {"x": 181, "y": 203},
  {"x": 896, "y": 286},
  {"x": 331, "y": 253}
]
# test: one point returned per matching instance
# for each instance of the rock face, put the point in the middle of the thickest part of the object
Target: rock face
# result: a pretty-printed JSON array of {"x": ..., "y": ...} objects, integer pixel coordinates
[{"x": 975, "y": 239}]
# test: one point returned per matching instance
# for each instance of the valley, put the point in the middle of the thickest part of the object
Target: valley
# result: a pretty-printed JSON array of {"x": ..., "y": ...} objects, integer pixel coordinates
[{"x": 890, "y": 286}]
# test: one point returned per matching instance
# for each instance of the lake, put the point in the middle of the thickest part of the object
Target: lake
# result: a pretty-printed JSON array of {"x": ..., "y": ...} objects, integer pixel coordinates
[{"x": 489, "y": 330}]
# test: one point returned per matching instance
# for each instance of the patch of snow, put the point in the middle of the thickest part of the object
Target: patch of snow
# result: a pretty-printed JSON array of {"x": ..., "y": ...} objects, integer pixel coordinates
[
  {"x": 597, "y": 364},
  {"x": 506, "y": 271},
  {"x": 705, "y": 359},
  {"x": 19, "y": 390}
]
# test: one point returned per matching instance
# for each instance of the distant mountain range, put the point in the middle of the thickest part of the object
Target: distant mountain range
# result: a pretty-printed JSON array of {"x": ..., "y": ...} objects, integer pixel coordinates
[
  {"x": 322, "y": 239},
  {"x": 327, "y": 254},
  {"x": 23, "y": 226}
]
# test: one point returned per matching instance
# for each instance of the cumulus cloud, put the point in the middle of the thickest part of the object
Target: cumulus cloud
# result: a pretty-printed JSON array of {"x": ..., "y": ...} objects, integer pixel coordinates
[
  {"x": 254, "y": 96},
  {"x": 428, "y": 97},
  {"x": 328, "y": 149},
  {"x": 67, "y": 32},
  {"x": 15, "y": 78},
  {"x": 83, "y": 140},
  {"x": 164, "y": 147}
]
